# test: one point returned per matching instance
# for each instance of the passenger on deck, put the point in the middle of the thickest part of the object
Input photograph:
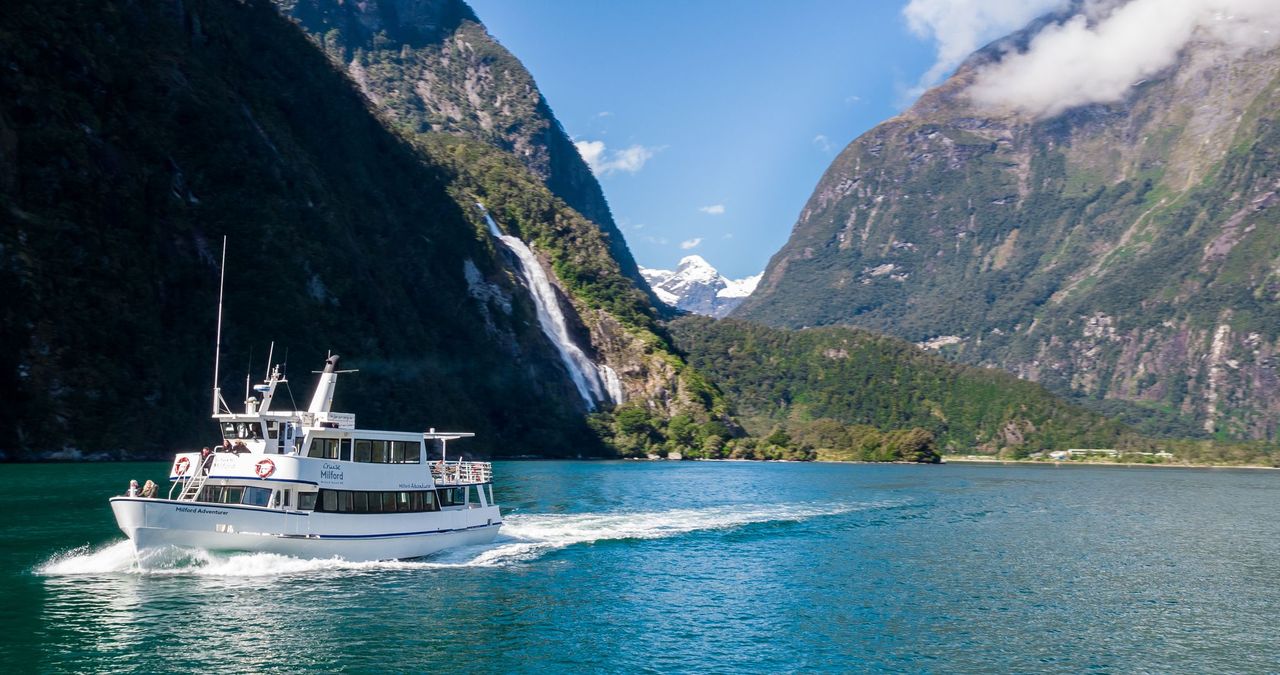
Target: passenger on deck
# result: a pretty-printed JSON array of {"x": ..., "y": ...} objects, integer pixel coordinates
[
  {"x": 149, "y": 489},
  {"x": 204, "y": 461},
  {"x": 133, "y": 489}
]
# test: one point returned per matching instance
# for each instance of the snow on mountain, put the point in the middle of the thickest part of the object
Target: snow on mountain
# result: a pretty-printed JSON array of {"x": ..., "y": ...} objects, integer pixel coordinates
[{"x": 695, "y": 286}]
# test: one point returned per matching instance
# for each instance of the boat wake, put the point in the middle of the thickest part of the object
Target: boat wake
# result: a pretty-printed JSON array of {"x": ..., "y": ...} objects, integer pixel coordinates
[{"x": 524, "y": 537}]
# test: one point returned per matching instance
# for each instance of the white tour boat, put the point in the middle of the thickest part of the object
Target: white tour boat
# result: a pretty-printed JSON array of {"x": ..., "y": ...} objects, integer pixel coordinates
[{"x": 310, "y": 484}]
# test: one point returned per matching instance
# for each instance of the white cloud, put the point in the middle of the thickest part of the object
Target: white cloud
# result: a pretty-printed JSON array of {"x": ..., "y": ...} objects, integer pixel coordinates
[
  {"x": 713, "y": 210},
  {"x": 604, "y": 113},
  {"x": 662, "y": 241},
  {"x": 604, "y": 161},
  {"x": 822, "y": 142},
  {"x": 591, "y": 152},
  {"x": 851, "y": 100},
  {"x": 960, "y": 27},
  {"x": 1098, "y": 58},
  {"x": 690, "y": 243}
]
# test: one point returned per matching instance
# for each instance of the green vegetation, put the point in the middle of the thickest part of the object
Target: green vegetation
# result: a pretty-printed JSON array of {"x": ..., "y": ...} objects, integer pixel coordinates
[
  {"x": 133, "y": 136},
  {"x": 1130, "y": 213},
  {"x": 852, "y": 394}
]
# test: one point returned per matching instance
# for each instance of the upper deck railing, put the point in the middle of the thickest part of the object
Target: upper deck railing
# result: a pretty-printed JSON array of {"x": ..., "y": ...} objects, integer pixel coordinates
[{"x": 462, "y": 473}]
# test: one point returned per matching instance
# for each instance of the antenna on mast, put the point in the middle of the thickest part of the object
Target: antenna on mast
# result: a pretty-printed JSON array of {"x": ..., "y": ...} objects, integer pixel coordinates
[
  {"x": 270, "y": 353},
  {"x": 217, "y": 349}
]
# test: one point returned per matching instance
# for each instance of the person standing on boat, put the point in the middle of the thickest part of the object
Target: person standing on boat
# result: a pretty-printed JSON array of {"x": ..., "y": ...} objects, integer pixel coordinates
[
  {"x": 133, "y": 489},
  {"x": 204, "y": 461}
]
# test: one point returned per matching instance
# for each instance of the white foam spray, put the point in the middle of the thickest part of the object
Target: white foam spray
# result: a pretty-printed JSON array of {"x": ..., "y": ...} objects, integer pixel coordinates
[{"x": 524, "y": 538}]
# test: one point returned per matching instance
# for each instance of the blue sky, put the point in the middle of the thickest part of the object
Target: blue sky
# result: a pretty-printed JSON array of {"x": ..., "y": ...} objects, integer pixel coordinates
[{"x": 710, "y": 123}]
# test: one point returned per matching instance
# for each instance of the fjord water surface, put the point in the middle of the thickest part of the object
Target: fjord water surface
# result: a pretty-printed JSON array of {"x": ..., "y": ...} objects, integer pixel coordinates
[{"x": 672, "y": 566}]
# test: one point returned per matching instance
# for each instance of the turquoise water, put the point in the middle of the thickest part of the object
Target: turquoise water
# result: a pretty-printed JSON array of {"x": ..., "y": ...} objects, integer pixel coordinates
[{"x": 709, "y": 567}]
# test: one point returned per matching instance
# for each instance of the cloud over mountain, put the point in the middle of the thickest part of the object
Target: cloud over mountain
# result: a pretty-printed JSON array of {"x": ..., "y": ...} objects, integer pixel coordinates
[
  {"x": 959, "y": 27},
  {"x": 604, "y": 162},
  {"x": 1098, "y": 55}
]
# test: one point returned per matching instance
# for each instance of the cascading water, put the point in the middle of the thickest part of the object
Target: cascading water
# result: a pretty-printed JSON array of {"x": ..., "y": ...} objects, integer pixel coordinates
[{"x": 595, "y": 383}]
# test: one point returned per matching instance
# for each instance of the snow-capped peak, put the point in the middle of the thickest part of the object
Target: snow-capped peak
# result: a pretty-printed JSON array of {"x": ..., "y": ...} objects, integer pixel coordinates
[
  {"x": 697, "y": 287},
  {"x": 740, "y": 288}
]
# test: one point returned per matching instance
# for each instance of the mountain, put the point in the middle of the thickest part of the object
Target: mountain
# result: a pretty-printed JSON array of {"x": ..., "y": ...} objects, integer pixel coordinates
[
  {"x": 430, "y": 66},
  {"x": 695, "y": 286},
  {"x": 812, "y": 382},
  {"x": 134, "y": 135},
  {"x": 1124, "y": 253}
]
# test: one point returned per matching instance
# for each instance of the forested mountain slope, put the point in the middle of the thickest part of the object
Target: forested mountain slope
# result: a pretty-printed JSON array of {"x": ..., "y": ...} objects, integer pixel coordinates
[
  {"x": 1126, "y": 253},
  {"x": 431, "y": 66},
  {"x": 805, "y": 380},
  {"x": 134, "y": 135}
]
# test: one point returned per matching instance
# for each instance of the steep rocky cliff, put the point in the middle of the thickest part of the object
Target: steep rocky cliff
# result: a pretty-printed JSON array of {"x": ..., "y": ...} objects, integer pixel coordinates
[
  {"x": 134, "y": 135},
  {"x": 430, "y": 66},
  {"x": 1124, "y": 252},
  {"x": 433, "y": 73}
]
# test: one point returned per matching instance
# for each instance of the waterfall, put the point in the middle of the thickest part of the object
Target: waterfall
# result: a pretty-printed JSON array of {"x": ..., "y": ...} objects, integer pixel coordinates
[{"x": 594, "y": 382}]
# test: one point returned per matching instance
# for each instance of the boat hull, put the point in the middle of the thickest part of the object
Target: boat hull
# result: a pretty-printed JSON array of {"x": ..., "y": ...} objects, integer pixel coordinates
[{"x": 158, "y": 523}]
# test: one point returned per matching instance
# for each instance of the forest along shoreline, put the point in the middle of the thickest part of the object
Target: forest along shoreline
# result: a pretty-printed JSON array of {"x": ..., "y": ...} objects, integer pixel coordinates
[{"x": 971, "y": 459}]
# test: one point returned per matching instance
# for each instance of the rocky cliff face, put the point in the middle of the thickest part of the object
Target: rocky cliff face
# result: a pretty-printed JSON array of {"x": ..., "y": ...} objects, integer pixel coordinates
[
  {"x": 430, "y": 66},
  {"x": 430, "y": 69},
  {"x": 134, "y": 135},
  {"x": 1127, "y": 253},
  {"x": 695, "y": 286}
]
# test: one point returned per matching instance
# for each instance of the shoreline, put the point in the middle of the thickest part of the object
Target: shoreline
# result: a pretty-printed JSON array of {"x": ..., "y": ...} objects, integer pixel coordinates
[{"x": 969, "y": 459}]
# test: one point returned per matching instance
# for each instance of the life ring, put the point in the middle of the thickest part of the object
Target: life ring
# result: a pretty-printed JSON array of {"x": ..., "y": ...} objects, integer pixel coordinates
[
  {"x": 264, "y": 468},
  {"x": 180, "y": 467}
]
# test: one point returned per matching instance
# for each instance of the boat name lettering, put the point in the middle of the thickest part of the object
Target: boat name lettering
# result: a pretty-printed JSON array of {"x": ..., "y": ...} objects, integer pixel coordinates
[
  {"x": 331, "y": 472},
  {"x": 416, "y": 485},
  {"x": 188, "y": 509}
]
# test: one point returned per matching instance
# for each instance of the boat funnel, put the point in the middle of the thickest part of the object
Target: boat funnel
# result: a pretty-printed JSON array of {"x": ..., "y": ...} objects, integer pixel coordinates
[{"x": 322, "y": 400}]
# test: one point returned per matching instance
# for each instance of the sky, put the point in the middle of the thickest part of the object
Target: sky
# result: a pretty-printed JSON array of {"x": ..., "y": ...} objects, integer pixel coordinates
[{"x": 709, "y": 123}]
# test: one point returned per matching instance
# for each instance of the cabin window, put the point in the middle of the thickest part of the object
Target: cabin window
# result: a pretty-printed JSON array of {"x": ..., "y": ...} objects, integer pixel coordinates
[
  {"x": 346, "y": 450},
  {"x": 451, "y": 497},
  {"x": 273, "y": 430},
  {"x": 307, "y": 501},
  {"x": 364, "y": 451},
  {"x": 324, "y": 448},
  {"x": 405, "y": 452},
  {"x": 256, "y": 496},
  {"x": 379, "y": 452},
  {"x": 347, "y": 501}
]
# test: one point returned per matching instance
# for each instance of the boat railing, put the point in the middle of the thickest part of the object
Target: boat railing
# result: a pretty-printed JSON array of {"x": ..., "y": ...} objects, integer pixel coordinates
[{"x": 461, "y": 473}]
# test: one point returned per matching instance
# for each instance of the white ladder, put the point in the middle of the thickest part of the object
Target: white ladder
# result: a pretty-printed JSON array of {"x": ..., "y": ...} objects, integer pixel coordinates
[{"x": 192, "y": 489}]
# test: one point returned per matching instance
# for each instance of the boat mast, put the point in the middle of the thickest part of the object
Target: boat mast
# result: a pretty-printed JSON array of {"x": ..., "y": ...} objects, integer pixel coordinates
[{"x": 217, "y": 349}]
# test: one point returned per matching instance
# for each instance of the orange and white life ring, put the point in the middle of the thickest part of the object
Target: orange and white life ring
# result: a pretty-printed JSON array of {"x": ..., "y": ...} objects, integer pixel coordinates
[
  {"x": 265, "y": 468},
  {"x": 180, "y": 467}
]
